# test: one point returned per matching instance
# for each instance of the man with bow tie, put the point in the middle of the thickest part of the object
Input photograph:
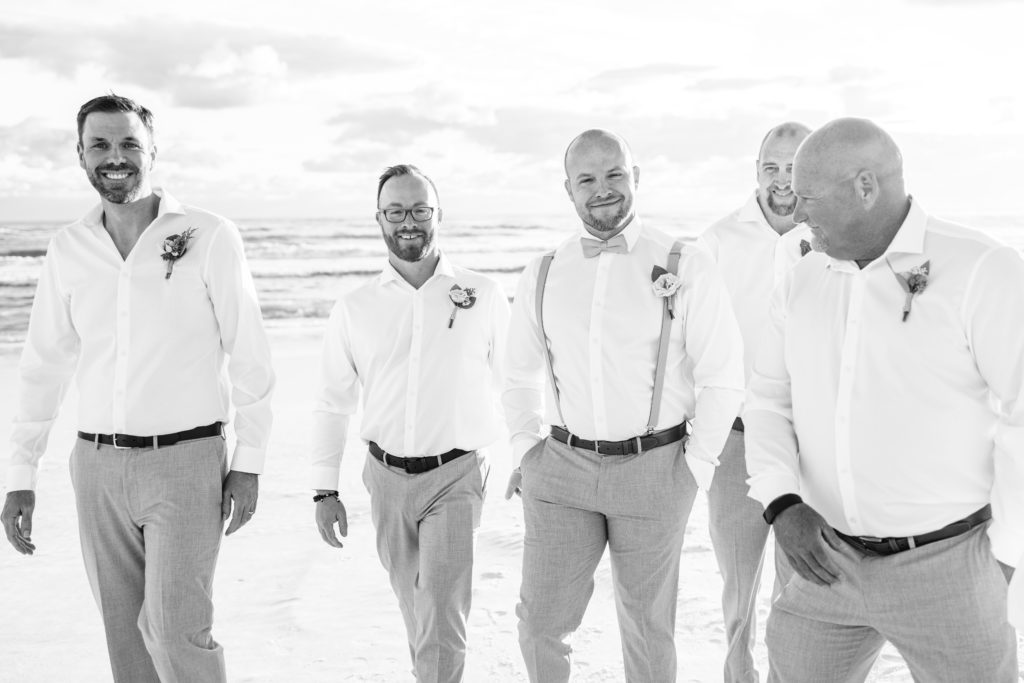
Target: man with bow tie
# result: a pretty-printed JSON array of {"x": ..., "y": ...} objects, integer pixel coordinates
[{"x": 636, "y": 337}]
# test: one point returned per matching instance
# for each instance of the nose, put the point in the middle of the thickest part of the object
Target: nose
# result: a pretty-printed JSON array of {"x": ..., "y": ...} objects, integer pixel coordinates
[{"x": 783, "y": 178}]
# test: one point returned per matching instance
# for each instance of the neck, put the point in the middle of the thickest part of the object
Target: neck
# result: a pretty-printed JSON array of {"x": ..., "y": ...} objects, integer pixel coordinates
[
  {"x": 780, "y": 224},
  {"x": 416, "y": 273},
  {"x": 126, "y": 222},
  {"x": 891, "y": 224}
]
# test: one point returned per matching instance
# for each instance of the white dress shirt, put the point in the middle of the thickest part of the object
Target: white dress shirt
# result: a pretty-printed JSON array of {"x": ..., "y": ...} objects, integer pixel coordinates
[
  {"x": 427, "y": 388},
  {"x": 1015, "y": 597},
  {"x": 902, "y": 427},
  {"x": 753, "y": 259},
  {"x": 603, "y": 321},
  {"x": 149, "y": 351}
]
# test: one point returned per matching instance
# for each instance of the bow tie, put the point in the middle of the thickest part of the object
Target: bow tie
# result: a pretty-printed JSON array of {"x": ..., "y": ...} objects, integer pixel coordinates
[{"x": 616, "y": 245}]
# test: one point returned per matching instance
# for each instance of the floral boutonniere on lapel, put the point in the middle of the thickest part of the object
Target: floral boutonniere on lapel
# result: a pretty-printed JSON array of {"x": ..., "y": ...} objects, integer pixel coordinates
[
  {"x": 665, "y": 286},
  {"x": 805, "y": 248},
  {"x": 462, "y": 297},
  {"x": 912, "y": 282},
  {"x": 175, "y": 247}
]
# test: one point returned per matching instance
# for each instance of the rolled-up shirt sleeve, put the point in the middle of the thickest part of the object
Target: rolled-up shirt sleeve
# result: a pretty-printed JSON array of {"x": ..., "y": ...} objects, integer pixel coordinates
[
  {"x": 712, "y": 339},
  {"x": 994, "y": 320},
  {"x": 48, "y": 362},
  {"x": 337, "y": 399},
  {"x": 770, "y": 439},
  {"x": 523, "y": 397},
  {"x": 236, "y": 307}
]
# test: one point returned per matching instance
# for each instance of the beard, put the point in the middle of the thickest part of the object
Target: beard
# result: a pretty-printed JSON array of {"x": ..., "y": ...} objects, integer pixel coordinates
[
  {"x": 612, "y": 223},
  {"x": 117, "y": 192},
  {"x": 780, "y": 209},
  {"x": 408, "y": 250},
  {"x": 819, "y": 242}
]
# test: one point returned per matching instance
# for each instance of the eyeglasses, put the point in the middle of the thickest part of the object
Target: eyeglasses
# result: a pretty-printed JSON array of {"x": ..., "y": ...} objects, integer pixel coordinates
[{"x": 420, "y": 213}]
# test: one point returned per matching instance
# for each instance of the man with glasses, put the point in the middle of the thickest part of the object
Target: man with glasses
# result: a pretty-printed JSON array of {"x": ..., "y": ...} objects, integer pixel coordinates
[
  {"x": 753, "y": 247},
  {"x": 885, "y": 428},
  {"x": 422, "y": 341},
  {"x": 636, "y": 337}
]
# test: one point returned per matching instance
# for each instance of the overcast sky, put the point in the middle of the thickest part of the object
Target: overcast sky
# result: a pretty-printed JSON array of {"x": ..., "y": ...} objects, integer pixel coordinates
[{"x": 292, "y": 109}]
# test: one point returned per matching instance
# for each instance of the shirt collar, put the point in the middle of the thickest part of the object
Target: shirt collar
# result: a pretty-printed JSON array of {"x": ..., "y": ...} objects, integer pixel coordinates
[
  {"x": 751, "y": 212},
  {"x": 168, "y": 205},
  {"x": 444, "y": 268},
  {"x": 631, "y": 232}
]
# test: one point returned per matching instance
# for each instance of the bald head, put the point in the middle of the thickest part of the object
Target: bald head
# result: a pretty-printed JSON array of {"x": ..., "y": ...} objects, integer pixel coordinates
[
  {"x": 599, "y": 139},
  {"x": 848, "y": 178},
  {"x": 845, "y": 147},
  {"x": 600, "y": 179},
  {"x": 788, "y": 131}
]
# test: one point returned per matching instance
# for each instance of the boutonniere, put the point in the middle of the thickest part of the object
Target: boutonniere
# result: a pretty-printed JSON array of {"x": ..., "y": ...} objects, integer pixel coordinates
[
  {"x": 665, "y": 285},
  {"x": 805, "y": 248},
  {"x": 461, "y": 298},
  {"x": 175, "y": 247},
  {"x": 912, "y": 282}
]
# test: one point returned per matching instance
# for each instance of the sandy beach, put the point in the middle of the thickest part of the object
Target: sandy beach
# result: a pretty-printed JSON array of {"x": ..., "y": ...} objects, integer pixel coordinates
[{"x": 291, "y": 608}]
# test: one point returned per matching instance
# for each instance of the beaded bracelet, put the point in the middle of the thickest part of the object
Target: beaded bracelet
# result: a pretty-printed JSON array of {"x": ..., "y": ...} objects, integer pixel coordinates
[{"x": 323, "y": 496}]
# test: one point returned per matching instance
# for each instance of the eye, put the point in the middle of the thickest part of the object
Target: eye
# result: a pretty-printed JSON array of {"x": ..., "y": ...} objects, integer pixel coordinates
[{"x": 98, "y": 145}]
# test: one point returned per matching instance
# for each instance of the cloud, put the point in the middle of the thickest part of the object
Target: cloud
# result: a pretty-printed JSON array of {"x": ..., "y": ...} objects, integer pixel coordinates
[
  {"x": 201, "y": 65},
  {"x": 33, "y": 144},
  {"x": 617, "y": 78}
]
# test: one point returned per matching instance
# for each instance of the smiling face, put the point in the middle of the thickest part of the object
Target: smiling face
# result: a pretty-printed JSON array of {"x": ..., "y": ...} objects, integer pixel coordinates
[
  {"x": 775, "y": 175},
  {"x": 409, "y": 239},
  {"x": 601, "y": 181},
  {"x": 117, "y": 152},
  {"x": 830, "y": 206}
]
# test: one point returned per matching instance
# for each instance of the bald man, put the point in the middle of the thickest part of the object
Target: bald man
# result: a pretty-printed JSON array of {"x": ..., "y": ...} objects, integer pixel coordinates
[
  {"x": 753, "y": 246},
  {"x": 636, "y": 338},
  {"x": 893, "y": 357}
]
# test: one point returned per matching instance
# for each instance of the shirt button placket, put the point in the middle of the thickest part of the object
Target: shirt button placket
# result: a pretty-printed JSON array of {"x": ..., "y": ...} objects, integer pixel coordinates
[{"x": 123, "y": 339}]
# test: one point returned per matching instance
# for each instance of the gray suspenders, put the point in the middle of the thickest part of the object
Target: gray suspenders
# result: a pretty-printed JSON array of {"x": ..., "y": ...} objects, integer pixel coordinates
[{"x": 666, "y": 323}]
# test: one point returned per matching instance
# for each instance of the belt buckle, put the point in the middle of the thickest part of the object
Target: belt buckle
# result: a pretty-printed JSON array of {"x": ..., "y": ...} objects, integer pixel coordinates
[
  {"x": 116, "y": 447},
  {"x": 415, "y": 465}
]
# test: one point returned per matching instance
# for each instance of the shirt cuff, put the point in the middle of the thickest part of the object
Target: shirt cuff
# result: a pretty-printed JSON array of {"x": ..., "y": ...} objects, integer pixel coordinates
[
  {"x": 521, "y": 443},
  {"x": 1007, "y": 543},
  {"x": 22, "y": 477},
  {"x": 325, "y": 478},
  {"x": 702, "y": 470},
  {"x": 248, "y": 459},
  {"x": 769, "y": 487}
]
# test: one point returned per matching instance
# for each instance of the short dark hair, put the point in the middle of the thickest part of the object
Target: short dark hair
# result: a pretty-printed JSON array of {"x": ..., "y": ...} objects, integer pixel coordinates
[
  {"x": 114, "y": 103},
  {"x": 404, "y": 169}
]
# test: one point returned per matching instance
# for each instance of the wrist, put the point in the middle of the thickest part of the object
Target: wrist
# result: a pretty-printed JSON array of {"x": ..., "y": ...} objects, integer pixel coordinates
[
  {"x": 780, "y": 504},
  {"x": 323, "y": 494}
]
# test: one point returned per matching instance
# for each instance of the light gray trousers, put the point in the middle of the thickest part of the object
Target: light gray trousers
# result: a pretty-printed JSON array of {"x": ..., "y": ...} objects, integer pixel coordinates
[
  {"x": 942, "y": 605},
  {"x": 426, "y": 525},
  {"x": 575, "y": 503},
  {"x": 738, "y": 534},
  {"x": 150, "y": 527}
]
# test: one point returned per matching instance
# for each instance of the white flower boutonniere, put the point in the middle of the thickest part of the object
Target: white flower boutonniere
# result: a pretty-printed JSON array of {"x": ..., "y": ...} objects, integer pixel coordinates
[
  {"x": 912, "y": 282},
  {"x": 665, "y": 286},
  {"x": 175, "y": 247},
  {"x": 461, "y": 298}
]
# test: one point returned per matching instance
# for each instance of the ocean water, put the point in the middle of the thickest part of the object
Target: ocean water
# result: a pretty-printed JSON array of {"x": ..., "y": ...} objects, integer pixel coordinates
[{"x": 302, "y": 266}]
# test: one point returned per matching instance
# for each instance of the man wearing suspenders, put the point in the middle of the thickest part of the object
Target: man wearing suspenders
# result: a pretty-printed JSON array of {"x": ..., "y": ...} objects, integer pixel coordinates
[{"x": 637, "y": 338}]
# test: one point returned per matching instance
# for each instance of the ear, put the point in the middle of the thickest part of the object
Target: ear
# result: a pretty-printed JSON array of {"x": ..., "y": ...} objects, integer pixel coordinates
[
  {"x": 636, "y": 177},
  {"x": 568, "y": 190},
  {"x": 440, "y": 214},
  {"x": 866, "y": 187},
  {"x": 377, "y": 218},
  {"x": 80, "y": 151},
  {"x": 152, "y": 156}
]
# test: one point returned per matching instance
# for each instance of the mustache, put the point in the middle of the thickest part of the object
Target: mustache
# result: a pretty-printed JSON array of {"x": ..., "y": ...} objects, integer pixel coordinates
[{"x": 115, "y": 168}]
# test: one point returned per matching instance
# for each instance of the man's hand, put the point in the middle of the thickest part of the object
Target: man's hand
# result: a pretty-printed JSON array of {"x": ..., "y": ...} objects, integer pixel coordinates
[
  {"x": 1007, "y": 571},
  {"x": 243, "y": 488},
  {"x": 17, "y": 520},
  {"x": 808, "y": 541},
  {"x": 328, "y": 512},
  {"x": 515, "y": 484}
]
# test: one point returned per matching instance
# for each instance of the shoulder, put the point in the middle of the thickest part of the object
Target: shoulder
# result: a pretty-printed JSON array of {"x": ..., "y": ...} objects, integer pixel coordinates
[
  {"x": 722, "y": 225},
  {"x": 483, "y": 284}
]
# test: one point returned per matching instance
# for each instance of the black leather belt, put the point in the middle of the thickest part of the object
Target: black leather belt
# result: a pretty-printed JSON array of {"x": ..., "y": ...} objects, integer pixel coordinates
[
  {"x": 126, "y": 441},
  {"x": 737, "y": 424},
  {"x": 415, "y": 465},
  {"x": 637, "y": 444},
  {"x": 890, "y": 546}
]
